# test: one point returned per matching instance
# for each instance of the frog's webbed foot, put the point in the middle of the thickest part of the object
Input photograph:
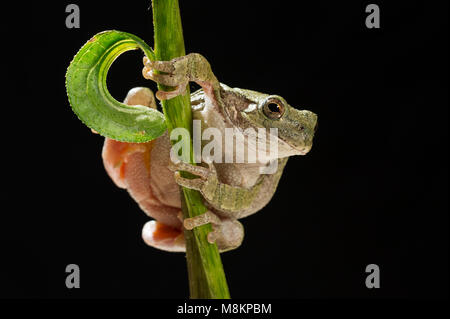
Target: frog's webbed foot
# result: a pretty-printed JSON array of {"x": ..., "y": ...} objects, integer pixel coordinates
[
  {"x": 170, "y": 76},
  {"x": 178, "y": 72},
  {"x": 227, "y": 233},
  {"x": 207, "y": 176}
]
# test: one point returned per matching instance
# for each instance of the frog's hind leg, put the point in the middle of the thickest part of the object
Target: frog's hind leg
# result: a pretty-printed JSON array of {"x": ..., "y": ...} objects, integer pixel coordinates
[
  {"x": 164, "y": 237},
  {"x": 140, "y": 169},
  {"x": 227, "y": 233},
  {"x": 132, "y": 173}
]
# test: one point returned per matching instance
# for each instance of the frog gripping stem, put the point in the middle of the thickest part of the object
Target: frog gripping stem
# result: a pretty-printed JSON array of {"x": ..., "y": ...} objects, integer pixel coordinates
[{"x": 178, "y": 72}]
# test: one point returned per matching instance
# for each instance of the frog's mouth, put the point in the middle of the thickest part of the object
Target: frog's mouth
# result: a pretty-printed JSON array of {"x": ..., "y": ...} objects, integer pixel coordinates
[
  {"x": 304, "y": 150},
  {"x": 294, "y": 142},
  {"x": 288, "y": 149}
]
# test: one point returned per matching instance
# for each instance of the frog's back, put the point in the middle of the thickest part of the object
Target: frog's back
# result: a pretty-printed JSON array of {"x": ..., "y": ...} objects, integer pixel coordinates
[{"x": 228, "y": 95}]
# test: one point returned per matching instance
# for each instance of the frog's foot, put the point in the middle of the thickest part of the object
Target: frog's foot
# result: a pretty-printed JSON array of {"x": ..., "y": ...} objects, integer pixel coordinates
[
  {"x": 206, "y": 175},
  {"x": 164, "y": 237},
  {"x": 178, "y": 72},
  {"x": 203, "y": 219},
  {"x": 168, "y": 75},
  {"x": 227, "y": 233}
]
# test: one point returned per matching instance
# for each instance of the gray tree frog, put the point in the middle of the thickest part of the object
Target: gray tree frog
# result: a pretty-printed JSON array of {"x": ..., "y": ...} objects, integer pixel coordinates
[{"x": 231, "y": 190}]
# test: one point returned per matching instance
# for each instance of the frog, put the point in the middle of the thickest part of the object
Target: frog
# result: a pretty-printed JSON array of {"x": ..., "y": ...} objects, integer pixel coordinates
[{"x": 231, "y": 190}]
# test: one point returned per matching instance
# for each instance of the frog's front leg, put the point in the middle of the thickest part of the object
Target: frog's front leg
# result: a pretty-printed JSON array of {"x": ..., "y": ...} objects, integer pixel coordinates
[
  {"x": 232, "y": 201},
  {"x": 178, "y": 72}
]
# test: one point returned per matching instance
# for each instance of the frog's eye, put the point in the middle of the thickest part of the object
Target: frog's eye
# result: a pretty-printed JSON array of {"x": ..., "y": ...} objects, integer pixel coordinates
[{"x": 273, "y": 109}]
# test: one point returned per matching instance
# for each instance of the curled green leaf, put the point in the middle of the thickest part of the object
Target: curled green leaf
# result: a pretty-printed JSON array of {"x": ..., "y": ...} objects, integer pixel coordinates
[{"x": 89, "y": 96}]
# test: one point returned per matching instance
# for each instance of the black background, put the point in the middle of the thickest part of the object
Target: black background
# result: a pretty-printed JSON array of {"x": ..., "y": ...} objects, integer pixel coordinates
[{"x": 374, "y": 188}]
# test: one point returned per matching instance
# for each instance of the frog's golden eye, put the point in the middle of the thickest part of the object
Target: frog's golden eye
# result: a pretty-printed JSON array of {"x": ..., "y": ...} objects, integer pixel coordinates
[{"x": 273, "y": 109}]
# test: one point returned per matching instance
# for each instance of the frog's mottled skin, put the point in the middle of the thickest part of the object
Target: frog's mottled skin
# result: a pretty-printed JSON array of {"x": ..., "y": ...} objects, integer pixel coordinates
[{"x": 231, "y": 190}]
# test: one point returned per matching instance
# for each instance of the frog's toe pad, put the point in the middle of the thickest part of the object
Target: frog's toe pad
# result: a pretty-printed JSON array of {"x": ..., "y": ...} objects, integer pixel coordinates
[
  {"x": 196, "y": 183},
  {"x": 180, "y": 89},
  {"x": 228, "y": 235},
  {"x": 163, "y": 237},
  {"x": 163, "y": 66}
]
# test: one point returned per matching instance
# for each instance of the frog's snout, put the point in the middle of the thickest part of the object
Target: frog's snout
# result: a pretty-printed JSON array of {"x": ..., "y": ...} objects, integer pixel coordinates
[
  {"x": 314, "y": 120},
  {"x": 309, "y": 121},
  {"x": 309, "y": 126}
]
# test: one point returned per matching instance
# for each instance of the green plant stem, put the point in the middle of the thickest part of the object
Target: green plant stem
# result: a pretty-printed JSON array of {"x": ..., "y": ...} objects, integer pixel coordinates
[{"x": 205, "y": 270}]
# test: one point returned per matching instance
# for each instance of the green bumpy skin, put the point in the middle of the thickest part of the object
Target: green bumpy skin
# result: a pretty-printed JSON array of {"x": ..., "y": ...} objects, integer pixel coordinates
[{"x": 89, "y": 96}]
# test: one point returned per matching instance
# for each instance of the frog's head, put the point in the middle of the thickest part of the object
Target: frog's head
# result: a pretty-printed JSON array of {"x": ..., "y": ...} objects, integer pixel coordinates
[{"x": 295, "y": 127}]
